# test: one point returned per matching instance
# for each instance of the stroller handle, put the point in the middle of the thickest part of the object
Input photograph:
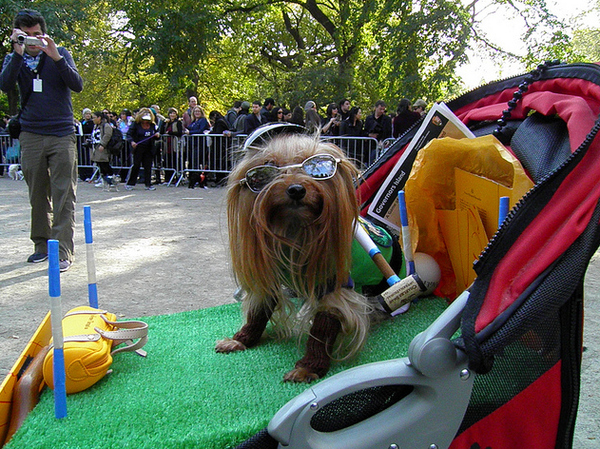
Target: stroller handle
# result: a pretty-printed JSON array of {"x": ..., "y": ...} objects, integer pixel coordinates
[
  {"x": 433, "y": 399},
  {"x": 431, "y": 352}
]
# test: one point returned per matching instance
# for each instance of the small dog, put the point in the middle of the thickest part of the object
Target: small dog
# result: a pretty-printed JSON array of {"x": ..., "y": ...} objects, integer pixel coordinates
[
  {"x": 291, "y": 205},
  {"x": 15, "y": 172}
]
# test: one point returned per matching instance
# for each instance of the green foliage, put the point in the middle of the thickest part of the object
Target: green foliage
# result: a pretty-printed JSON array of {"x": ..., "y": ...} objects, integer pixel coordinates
[
  {"x": 365, "y": 50},
  {"x": 586, "y": 43},
  {"x": 135, "y": 53},
  {"x": 173, "y": 37},
  {"x": 420, "y": 49}
]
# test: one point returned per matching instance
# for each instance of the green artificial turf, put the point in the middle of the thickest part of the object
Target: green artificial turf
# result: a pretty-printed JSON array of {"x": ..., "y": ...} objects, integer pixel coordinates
[{"x": 184, "y": 395}]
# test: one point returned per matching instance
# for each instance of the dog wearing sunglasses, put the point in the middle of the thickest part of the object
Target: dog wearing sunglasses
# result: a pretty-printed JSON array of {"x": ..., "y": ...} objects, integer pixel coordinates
[{"x": 291, "y": 205}]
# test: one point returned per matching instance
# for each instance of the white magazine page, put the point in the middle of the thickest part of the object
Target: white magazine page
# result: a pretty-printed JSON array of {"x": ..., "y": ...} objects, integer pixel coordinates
[{"x": 439, "y": 122}]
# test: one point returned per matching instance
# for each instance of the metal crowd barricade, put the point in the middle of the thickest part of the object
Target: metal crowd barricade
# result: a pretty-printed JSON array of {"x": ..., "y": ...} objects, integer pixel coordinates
[
  {"x": 171, "y": 157},
  {"x": 362, "y": 150},
  {"x": 86, "y": 168},
  {"x": 213, "y": 154},
  {"x": 124, "y": 159},
  {"x": 7, "y": 142}
]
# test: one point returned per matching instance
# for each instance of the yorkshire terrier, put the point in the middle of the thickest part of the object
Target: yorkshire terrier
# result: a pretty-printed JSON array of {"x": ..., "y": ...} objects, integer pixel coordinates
[{"x": 291, "y": 205}]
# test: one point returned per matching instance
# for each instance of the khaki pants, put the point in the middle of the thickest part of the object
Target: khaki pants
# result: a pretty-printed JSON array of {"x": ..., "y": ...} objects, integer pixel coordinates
[{"x": 49, "y": 165}]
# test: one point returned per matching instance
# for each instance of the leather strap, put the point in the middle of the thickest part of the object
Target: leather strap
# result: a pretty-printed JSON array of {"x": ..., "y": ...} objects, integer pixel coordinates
[{"x": 126, "y": 332}]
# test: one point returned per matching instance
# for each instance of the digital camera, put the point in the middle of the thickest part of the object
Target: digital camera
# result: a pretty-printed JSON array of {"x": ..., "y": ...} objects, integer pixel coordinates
[{"x": 30, "y": 40}]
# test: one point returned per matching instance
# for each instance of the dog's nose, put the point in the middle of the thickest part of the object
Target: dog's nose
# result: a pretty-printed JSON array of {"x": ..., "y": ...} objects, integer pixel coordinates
[{"x": 296, "y": 191}]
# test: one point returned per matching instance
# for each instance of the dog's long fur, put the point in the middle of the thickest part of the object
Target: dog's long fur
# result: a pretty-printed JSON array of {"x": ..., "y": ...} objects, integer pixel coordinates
[{"x": 276, "y": 242}]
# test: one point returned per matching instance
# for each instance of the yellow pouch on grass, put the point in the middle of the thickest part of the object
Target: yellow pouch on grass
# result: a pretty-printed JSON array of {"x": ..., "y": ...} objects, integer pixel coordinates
[{"x": 89, "y": 337}]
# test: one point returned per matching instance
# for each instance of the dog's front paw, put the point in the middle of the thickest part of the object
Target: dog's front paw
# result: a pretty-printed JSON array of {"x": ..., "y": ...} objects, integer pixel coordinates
[
  {"x": 229, "y": 345},
  {"x": 300, "y": 375}
]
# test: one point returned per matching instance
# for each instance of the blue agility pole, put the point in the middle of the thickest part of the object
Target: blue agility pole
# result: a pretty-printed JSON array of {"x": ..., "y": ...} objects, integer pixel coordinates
[
  {"x": 91, "y": 263},
  {"x": 406, "y": 239},
  {"x": 503, "y": 209},
  {"x": 60, "y": 390}
]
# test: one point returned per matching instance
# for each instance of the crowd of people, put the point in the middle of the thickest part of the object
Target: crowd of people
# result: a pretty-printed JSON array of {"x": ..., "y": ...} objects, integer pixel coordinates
[
  {"x": 340, "y": 119},
  {"x": 144, "y": 126}
]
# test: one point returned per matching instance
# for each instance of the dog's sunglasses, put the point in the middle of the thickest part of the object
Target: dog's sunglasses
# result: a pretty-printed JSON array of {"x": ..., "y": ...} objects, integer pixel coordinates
[{"x": 319, "y": 167}]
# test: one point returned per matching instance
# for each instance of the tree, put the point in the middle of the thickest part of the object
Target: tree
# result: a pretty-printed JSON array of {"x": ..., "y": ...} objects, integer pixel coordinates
[
  {"x": 586, "y": 39},
  {"x": 174, "y": 37},
  {"x": 373, "y": 49},
  {"x": 543, "y": 34}
]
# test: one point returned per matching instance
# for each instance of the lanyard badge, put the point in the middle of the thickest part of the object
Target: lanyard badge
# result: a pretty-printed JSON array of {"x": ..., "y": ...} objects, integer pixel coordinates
[{"x": 37, "y": 84}]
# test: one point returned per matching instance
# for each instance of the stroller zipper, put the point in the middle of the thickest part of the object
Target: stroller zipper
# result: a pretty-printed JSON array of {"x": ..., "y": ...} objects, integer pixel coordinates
[{"x": 530, "y": 196}]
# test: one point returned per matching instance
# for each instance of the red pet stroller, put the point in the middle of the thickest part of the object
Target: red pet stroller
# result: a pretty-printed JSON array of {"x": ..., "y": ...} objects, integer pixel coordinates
[{"x": 511, "y": 377}]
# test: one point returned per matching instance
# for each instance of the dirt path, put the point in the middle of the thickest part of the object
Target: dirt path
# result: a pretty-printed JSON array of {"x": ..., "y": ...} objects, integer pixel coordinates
[
  {"x": 164, "y": 252},
  {"x": 156, "y": 253}
]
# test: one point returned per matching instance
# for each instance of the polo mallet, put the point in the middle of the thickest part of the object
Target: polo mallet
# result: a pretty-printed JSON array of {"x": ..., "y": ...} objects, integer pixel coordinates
[
  {"x": 91, "y": 263},
  {"x": 60, "y": 390},
  {"x": 396, "y": 299}
]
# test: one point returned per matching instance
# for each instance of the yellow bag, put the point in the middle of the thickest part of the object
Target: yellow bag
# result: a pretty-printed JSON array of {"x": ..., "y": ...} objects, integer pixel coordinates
[
  {"x": 89, "y": 336},
  {"x": 431, "y": 187}
]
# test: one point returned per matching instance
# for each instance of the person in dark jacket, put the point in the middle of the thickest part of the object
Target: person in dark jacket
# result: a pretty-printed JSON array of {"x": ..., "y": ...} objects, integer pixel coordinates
[
  {"x": 353, "y": 125},
  {"x": 141, "y": 135},
  {"x": 253, "y": 120},
  {"x": 297, "y": 116},
  {"x": 357, "y": 149},
  {"x": 218, "y": 147},
  {"x": 232, "y": 114},
  {"x": 404, "y": 119},
  {"x": 87, "y": 124},
  {"x": 171, "y": 131},
  {"x": 46, "y": 75},
  {"x": 331, "y": 123},
  {"x": 197, "y": 143},
  {"x": 379, "y": 124},
  {"x": 101, "y": 135},
  {"x": 265, "y": 112}
]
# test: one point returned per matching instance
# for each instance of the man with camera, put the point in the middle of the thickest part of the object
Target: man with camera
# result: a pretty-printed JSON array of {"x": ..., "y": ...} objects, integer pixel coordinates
[{"x": 46, "y": 75}]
